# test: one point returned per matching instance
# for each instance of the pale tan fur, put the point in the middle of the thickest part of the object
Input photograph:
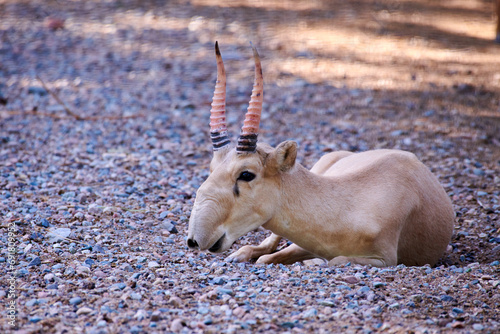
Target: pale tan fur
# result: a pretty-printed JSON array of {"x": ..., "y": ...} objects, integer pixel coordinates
[{"x": 380, "y": 207}]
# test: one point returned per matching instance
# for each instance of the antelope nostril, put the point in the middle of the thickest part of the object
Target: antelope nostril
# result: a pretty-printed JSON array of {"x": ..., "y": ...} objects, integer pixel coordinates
[{"x": 192, "y": 243}]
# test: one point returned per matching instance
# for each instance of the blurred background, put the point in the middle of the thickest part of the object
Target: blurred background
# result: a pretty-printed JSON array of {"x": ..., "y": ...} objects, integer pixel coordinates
[{"x": 381, "y": 65}]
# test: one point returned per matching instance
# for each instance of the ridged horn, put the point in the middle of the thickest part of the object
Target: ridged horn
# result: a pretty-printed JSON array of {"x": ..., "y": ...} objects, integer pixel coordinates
[
  {"x": 247, "y": 142},
  {"x": 218, "y": 126}
]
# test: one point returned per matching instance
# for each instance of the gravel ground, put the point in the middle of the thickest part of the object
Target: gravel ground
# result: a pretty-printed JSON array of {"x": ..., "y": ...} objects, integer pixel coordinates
[{"x": 96, "y": 188}]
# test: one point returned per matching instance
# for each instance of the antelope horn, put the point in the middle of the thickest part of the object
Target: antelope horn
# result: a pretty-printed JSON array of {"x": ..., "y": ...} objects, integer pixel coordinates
[
  {"x": 218, "y": 127},
  {"x": 247, "y": 142}
]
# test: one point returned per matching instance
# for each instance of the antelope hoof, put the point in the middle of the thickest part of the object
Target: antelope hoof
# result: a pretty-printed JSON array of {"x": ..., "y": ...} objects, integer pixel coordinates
[
  {"x": 266, "y": 259},
  {"x": 244, "y": 254}
]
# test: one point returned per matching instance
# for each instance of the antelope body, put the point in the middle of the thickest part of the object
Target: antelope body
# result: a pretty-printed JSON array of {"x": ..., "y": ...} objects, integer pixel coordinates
[{"x": 380, "y": 207}]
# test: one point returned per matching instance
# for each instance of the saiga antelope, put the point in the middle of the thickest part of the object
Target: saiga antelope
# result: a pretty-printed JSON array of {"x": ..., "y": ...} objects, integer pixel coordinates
[{"x": 380, "y": 207}]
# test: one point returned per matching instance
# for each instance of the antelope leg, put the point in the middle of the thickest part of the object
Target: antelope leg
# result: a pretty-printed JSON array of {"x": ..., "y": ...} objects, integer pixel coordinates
[
  {"x": 248, "y": 252},
  {"x": 289, "y": 255}
]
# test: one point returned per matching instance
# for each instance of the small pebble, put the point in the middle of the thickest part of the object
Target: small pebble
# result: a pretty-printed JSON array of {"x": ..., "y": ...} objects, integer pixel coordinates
[
  {"x": 140, "y": 315},
  {"x": 136, "y": 330},
  {"x": 136, "y": 296},
  {"x": 477, "y": 327},
  {"x": 377, "y": 285},
  {"x": 35, "y": 319},
  {"x": 177, "y": 325},
  {"x": 153, "y": 264},
  {"x": 84, "y": 310},
  {"x": 351, "y": 279},
  {"x": 35, "y": 262},
  {"x": 75, "y": 301},
  {"x": 31, "y": 303},
  {"x": 311, "y": 313},
  {"x": 225, "y": 291},
  {"x": 82, "y": 270},
  {"x": 101, "y": 323}
]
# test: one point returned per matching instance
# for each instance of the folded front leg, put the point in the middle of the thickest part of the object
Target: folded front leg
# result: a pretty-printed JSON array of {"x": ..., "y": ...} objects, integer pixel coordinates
[
  {"x": 245, "y": 253},
  {"x": 289, "y": 255}
]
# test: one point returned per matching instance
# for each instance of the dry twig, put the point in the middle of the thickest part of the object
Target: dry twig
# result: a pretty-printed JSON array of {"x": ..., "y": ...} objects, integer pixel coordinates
[
  {"x": 55, "y": 96},
  {"x": 68, "y": 110}
]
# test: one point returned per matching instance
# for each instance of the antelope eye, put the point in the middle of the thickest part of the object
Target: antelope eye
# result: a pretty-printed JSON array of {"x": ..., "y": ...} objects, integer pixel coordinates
[{"x": 246, "y": 176}]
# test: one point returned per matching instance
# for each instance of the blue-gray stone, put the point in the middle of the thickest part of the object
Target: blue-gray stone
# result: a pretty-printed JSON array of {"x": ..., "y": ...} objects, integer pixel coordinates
[
  {"x": 446, "y": 298},
  {"x": 98, "y": 249},
  {"x": 344, "y": 287},
  {"x": 394, "y": 306},
  {"x": 396, "y": 133},
  {"x": 457, "y": 310},
  {"x": 219, "y": 281},
  {"x": 37, "y": 90},
  {"x": 136, "y": 296},
  {"x": 410, "y": 304},
  {"x": 378, "y": 285},
  {"x": 327, "y": 302},
  {"x": 35, "y": 319},
  {"x": 135, "y": 330},
  {"x": 35, "y": 262},
  {"x": 225, "y": 291},
  {"x": 120, "y": 286},
  {"x": 31, "y": 302},
  {"x": 363, "y": 290},
  {"x": 288, "y": 325},
  {"x": 22, "y": 272},
  {"x": 478, "y": 172},
  {"x": 69, "y": 271},
  {"x": 310, "y": 313},
  {"x": 107, "y": 309},
  {"x": 75, "y": 300},
  {"x": 203, "y": 310},
  {"x": 89, "y": 262},
  {"x": 429, "y": 113}
]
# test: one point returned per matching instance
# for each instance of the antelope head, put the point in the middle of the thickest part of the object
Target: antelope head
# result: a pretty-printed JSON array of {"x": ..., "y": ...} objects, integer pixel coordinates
[{"x": 243, "y": 187}]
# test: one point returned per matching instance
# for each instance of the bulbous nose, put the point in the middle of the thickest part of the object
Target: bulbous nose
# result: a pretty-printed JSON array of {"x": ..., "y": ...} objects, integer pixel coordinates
[{"x": 192, "y": 243}]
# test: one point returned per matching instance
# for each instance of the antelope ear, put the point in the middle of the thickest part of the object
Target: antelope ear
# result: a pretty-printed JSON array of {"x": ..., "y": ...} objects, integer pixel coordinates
[
  {"x": 282, "y": 159},
  {"x": 218, "y": 157}
]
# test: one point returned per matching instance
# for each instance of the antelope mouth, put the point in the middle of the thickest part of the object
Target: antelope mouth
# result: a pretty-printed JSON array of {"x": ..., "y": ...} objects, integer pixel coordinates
[{"x": 218, "y": 244}]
